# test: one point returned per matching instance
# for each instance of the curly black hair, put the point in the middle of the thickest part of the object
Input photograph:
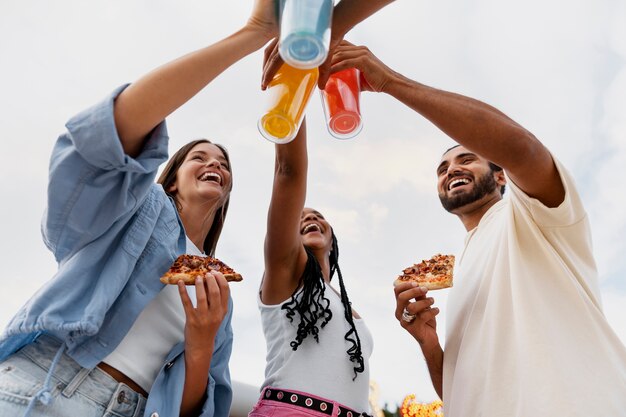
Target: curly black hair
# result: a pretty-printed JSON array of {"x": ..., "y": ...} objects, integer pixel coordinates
[{"x": 313, "y": 307}]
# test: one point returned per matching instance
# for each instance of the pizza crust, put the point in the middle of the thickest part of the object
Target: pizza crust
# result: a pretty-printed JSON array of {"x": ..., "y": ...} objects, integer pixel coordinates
[
  {"x": 444, "y": 282},
  {"x": 190, "y": 279}
]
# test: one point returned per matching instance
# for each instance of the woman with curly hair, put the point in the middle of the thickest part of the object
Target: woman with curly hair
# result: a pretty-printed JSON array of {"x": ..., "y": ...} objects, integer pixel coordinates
[{"x": 317, "y": 345}]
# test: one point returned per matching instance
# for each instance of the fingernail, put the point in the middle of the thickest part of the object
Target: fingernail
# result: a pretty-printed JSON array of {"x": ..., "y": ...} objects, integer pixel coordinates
[
  {"x": 424, "y": 289},
  {"x": 413, "y": 284}
]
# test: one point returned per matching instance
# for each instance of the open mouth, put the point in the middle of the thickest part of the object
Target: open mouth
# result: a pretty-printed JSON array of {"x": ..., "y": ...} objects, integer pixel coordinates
[
  {"x": 458, "y": 182},
  {"x": 310, "y": 228},
  {"x": 211, "y": 176}
]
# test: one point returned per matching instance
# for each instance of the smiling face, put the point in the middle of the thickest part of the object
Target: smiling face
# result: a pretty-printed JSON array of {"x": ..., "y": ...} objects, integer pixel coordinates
[
  {"x": 464, "y": 178},
  {"x": 315, "y": 230},
  {"x": 203, "y": 177}
]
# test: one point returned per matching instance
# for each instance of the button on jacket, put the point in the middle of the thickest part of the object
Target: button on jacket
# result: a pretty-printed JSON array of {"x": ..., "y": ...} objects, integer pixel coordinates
[{"x": 113, "y": 232}]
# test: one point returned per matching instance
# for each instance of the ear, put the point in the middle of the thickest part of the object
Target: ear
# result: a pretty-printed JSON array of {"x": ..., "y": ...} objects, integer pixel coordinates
[
  {"x": 499, "y": 177},
  {"x": 172, "y": 188}
]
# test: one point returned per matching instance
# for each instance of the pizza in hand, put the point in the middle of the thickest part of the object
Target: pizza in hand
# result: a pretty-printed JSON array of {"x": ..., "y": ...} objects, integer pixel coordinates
[
  {"x": 434, "y": 273},
  {"x": 187, "y": 268}
]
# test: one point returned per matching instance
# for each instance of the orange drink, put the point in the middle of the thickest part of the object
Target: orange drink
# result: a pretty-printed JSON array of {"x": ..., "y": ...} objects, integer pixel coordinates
[
  {"x": 340, "y": 99},
  {"x": 289, "y": 93}
]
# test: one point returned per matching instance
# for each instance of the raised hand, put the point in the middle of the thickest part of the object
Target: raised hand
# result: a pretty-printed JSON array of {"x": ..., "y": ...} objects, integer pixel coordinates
[
  {"x": 271, "y": 62},
  {"x": 326, "y": 68},
  {"x": 375, "y": 74}
]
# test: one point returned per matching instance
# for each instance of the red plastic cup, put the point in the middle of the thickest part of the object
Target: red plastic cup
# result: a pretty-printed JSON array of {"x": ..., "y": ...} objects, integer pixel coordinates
[{"x": 341, "y": 102}]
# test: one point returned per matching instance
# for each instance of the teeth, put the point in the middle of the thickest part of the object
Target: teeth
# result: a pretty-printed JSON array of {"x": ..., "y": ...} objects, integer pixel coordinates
[
  {"x": 208, "y": 175},
  {"x": 309, "y": 227},
  {"x": 457, "y": 181}
]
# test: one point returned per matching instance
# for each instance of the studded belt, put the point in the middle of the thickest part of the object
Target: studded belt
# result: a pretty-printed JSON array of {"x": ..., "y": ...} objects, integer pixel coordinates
[{"x": 309, "y": 402}]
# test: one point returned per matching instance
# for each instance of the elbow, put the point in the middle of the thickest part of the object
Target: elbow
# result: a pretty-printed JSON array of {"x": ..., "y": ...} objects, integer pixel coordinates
[
  {"x": 289, "y": 170},
  {"x": 284, "y": 170},
  {"x": 528, "y": 148}
]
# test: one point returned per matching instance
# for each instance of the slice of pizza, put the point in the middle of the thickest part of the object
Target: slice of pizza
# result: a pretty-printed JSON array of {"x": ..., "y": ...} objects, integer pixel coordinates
[
  {"x": 434, "y": 273},
  {"x": 188, "y": 267}
]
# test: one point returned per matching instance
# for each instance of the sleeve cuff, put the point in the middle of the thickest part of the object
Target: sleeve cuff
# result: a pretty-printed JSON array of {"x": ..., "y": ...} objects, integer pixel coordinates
[
  {"x": 570, "y": 211},
  {"x": 95, "y": 137}
]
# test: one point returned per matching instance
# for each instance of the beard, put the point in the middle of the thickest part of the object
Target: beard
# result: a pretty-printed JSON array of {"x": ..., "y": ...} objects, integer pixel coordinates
[{"x": 485, "y": 185}]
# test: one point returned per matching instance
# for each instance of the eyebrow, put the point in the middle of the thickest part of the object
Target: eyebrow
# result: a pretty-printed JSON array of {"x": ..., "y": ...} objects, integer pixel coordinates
[
  {"x": 203, "y": 153},
  {"x": 464, "y": 154},
  {"x": 459, "y": 156},
  {"x": 317, "y": 213}
]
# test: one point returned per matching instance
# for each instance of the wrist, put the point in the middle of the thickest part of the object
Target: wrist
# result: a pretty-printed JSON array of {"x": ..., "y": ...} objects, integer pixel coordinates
[
  {"x": 431, "y": 348},
  {"x": 338, "y": 32},
  {"x": 396, "y": 83},
  {"x": 199, "y": 348},
  {"x": 258, "y": 37},
  {"x": 199, "y": 356}
]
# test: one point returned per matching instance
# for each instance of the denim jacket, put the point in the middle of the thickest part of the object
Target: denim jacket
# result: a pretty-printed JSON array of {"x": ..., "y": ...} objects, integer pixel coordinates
[{"x": 113, "y": 232}]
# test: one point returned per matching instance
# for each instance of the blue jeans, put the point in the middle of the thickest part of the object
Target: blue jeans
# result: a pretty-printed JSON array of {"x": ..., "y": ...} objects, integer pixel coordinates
[{"x": 76, "y": 391}]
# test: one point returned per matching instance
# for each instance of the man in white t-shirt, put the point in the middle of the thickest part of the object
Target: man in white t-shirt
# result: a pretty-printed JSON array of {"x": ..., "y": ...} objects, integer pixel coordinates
[{"x": 525, "y": 332}]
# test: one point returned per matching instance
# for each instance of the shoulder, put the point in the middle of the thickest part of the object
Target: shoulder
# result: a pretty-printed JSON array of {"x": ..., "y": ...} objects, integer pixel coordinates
[{"x": 570, "y": 211}]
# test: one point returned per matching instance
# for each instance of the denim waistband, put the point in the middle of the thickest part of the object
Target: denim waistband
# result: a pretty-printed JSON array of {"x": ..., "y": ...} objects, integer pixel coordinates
[{"x": 94, "y": 384}]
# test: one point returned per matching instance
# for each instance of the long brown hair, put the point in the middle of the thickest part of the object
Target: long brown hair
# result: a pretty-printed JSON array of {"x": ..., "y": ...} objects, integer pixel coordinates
[{"x": 168, "y": 178}]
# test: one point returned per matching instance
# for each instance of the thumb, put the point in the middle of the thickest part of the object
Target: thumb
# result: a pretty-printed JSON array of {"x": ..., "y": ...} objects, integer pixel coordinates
[{"x": 365, "y": 85}]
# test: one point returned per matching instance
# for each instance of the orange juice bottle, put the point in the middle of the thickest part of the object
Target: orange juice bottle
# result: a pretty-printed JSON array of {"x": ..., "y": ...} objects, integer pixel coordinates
[{"x": 289, "y": 93}]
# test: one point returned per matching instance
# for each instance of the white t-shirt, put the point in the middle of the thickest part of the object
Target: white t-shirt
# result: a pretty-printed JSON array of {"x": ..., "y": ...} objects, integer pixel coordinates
[
  {"x": 526, "y": 335},
  {"x": 159, "y": 327},
  {"x": 323, "y": 368}
]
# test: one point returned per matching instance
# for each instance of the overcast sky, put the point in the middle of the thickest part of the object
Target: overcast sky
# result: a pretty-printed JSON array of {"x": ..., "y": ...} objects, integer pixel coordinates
[{"x": 557, "y": 68}]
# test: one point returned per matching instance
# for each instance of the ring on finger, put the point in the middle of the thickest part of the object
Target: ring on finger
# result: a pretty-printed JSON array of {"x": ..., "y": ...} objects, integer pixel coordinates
[{"x": 407, "y": 317}]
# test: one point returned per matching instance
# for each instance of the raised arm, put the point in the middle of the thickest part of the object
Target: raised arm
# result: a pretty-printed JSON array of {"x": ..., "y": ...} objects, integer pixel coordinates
[
  {"x": 477, "y": 126},
  {"x": 285, "y": 256},
  {"x": 348, "y": 13},
  {"x": 146, "y": 102}
]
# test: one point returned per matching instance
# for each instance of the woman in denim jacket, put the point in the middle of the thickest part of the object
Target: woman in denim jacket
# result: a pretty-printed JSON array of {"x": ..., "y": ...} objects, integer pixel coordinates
[{"x": 104, "y": 336}]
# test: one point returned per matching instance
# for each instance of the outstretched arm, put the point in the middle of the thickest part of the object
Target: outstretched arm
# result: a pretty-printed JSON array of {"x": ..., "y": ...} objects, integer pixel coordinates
[
  {"x": 146, "y": 102},
  {"x": 285, "y": 256},
  {"x": 477, "y": 126}
]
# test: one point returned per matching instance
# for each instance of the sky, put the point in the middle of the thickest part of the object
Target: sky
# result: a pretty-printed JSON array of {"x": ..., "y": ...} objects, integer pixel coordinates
[{"x": 558, "y": 68}]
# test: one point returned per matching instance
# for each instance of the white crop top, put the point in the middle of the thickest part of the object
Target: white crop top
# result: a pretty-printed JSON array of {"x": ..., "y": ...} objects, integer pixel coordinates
[
  {"x": 323, "y": 369},
  {"x": 159, "y": 327}
]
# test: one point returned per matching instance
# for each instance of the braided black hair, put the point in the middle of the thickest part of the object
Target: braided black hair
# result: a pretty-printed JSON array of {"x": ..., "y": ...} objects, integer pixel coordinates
[{"x": 314, "y": 307}]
